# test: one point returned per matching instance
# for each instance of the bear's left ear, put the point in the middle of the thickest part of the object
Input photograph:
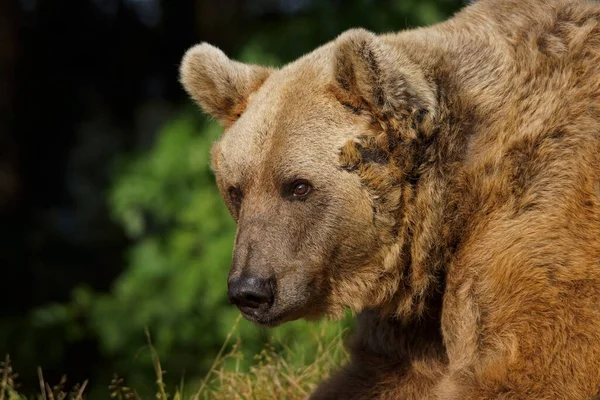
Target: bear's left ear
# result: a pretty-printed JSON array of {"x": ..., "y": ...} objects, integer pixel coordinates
[{"x": 375, "y": 75}]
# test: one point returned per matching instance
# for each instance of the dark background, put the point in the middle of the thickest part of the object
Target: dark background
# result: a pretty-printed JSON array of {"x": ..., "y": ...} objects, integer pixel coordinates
[{"x": 87, "y": 87}]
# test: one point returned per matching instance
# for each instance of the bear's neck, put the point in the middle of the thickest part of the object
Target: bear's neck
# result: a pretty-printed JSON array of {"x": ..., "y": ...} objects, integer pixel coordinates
[
  {"x": 428, "y": 236},
  {"x": 428, "y": 223}
]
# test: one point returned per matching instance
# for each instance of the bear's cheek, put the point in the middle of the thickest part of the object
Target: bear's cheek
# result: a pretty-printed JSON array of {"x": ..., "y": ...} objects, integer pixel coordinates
[
  {"x": 301, "y": 295},
  {"x": 355, "y": 237}
]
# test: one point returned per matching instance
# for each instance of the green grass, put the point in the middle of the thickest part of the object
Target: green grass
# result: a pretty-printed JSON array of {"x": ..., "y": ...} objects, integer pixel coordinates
[{"x": 278, "y": 372}]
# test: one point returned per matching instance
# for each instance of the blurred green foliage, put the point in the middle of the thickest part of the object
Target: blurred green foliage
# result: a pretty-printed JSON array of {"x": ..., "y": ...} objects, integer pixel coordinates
[{"x": 181, "y": 234}]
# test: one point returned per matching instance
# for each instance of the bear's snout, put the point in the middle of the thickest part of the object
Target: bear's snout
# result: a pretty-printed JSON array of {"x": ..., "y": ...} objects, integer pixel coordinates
[{"x": 251, "y": 295}]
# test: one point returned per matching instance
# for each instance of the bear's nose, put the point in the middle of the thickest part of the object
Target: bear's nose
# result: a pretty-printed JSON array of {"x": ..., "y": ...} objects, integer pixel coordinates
[{"x": 251, "y": 292}]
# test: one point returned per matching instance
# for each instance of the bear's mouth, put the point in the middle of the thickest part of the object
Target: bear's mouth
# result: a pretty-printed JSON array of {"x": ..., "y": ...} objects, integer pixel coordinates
[{"x": 268, "y": 318}]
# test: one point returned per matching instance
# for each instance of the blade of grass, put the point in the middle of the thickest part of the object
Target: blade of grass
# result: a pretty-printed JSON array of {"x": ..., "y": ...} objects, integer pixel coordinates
[
  {"x": 217, "y": 359},
  {"x": 162, "y": 395},
  {"x": 181, "y": 391},
  {"x": 49, "y": 392},
  {"x": 4, "y": 383},
  {"x": 81, "y": 390},
  {"x": 42, "y": 385}
]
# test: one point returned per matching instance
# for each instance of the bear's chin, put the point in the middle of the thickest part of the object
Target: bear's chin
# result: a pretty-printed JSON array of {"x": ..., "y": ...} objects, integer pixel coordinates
[
  {"x": 272, "y": 318},
  {"x": 269, "y": 320}
]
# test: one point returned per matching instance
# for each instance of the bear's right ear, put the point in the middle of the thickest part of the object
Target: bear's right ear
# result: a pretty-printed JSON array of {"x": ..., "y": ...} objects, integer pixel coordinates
[{"x": 219, "y": 85}]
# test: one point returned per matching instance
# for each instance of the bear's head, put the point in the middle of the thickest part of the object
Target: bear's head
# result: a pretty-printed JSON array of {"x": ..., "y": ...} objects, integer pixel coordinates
[{"x": 315, "y": 166}]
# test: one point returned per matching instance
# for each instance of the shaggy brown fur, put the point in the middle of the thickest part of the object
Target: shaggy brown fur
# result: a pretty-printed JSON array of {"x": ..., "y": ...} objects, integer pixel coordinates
[{"x": 454, "y": 202}]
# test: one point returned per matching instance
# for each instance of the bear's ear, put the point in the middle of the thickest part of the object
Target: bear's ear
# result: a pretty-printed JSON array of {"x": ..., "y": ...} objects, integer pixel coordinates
[
  {"x": 375, "y": 75},
  {"x": 219, "y": 85}
]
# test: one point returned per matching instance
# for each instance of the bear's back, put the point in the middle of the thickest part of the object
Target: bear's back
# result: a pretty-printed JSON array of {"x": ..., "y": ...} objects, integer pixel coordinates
[
  {"x": 536, "y": 138},
  {"x": 528, "y": 191}
]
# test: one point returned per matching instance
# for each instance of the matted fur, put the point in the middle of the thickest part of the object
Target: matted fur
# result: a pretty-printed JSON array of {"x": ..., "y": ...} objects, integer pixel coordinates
[{"x": 455, "y": 203}]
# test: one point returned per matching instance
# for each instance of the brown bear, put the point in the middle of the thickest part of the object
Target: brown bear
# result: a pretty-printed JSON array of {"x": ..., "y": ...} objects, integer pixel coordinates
[{"x": 443, "y": 183}]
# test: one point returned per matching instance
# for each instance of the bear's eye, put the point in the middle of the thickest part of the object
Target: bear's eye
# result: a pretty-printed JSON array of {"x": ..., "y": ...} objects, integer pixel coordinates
[
  {"x": 235, "y": 194},
  {"x": 301, "y": 188}
]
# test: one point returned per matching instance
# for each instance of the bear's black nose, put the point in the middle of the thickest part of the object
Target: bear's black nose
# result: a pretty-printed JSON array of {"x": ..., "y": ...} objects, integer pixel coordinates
[{"x": 251, "y": 292}]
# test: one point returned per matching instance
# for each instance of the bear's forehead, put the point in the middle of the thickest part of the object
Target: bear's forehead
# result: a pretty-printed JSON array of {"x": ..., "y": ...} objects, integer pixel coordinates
[
  {"x": 293, "y": 123},
  {"x": 286, "y": 111}
]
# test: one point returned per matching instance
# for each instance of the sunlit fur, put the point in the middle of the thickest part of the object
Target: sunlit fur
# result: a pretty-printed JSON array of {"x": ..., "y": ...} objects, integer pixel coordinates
[{"x": 457, "y": 197}]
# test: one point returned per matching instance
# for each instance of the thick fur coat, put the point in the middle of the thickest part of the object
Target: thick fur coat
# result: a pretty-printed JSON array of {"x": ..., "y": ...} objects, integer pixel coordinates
[{"x": 443, "y": 183}]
